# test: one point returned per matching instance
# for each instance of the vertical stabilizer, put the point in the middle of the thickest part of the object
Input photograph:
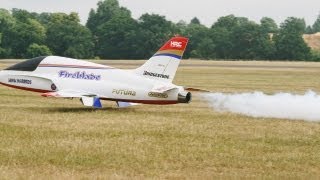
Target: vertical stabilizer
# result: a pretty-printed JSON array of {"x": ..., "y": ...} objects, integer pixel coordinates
[{"x": 163, "y": 65}]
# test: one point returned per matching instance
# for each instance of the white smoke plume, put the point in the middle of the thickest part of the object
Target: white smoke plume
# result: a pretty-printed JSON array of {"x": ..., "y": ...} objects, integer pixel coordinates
[{"x": 257, "y": 104}]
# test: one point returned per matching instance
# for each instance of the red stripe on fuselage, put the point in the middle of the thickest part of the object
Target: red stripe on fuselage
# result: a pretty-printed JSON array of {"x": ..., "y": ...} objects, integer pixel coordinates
[
  {"x": 155, "y": 102},
  {"x": 73, "y": 66},
  {"x": 27, "y": 89}
]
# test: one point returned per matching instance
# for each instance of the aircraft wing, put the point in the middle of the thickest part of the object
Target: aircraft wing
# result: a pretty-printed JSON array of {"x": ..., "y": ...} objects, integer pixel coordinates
[
  {"x": 163, "y": 88},
  {"x": 87, "y": 99},
  {"x": 68, "y": 94}
]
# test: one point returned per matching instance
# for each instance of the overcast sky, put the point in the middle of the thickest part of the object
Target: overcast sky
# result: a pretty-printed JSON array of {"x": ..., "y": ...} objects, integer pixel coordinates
[{"x": 208, "y": 11}]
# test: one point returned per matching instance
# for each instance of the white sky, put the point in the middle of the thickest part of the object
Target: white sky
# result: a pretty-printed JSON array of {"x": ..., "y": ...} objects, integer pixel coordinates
[{"x": 208, "y": 11}]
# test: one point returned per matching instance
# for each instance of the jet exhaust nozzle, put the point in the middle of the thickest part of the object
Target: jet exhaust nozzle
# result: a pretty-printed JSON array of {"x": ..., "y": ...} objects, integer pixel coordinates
[{"x": 184, "y": 97}]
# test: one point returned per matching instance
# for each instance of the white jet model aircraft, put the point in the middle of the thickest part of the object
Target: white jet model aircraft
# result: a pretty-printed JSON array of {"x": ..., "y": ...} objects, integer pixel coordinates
[{"x": 70, "y": 78}]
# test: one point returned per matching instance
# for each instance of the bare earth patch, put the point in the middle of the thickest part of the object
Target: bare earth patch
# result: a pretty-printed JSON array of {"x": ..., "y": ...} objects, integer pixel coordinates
[{"x": 313, "y": 40}]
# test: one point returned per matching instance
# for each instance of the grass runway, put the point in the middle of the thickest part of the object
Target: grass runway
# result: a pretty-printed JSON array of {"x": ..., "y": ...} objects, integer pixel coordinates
[{"x": 44, "y": 138}]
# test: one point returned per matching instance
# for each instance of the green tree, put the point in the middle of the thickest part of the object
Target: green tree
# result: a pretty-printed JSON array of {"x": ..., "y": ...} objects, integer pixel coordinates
[
  {"x": 35, "y": 50},
  {"x": 182, "y": 26},
  {"x": 117, "y": 39},
  {"x": 221, "y": 37},
  {"x": 44, "y": 18},
  {"x": 251, "y": 41},
  {"x": 309, "y": 30},
  {"x": 6, "y": 20},
  {"x": 221, "y": 34},
  {"x": 19, "y": 31},
  {"x": 229, "y": 22},
  {"x": 22, "y": 15},
  {"x": 205, "y": 49},
  {"x": 154, "y": 31},
  {"x": 316, "y": 25},
  {"x": 268, "y": 25},
  {"x": 197, "y": 34},
  {"x": 315, "y": 55},
  {"x": 195, "y": 20},
  {"x": 3, "y": 52},
  {"x": 23, "y": 34},
  {"x": 7, "y": 23},
  {"x": 200, "y": 45},
  {"x": 107, "y": 9},
  {"x": 67, "y": 37},
  {"x": 289, "y": 42}
]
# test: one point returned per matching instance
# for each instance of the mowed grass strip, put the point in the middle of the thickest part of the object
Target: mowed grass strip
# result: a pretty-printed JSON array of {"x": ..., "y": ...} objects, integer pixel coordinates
[{"x": 57, "y": 138}]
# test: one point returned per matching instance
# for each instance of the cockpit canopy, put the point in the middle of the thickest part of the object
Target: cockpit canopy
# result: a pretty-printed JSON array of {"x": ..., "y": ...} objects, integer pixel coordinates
[{"x": 28, "y": 65}]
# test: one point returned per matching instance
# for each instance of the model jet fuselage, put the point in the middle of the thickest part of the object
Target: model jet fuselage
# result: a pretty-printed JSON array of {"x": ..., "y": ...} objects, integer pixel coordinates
[{"x": 55, "y": 76}]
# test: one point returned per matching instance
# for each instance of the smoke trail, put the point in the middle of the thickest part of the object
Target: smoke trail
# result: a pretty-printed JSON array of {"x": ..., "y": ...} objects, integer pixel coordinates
[{"x": 257, "y": 104}]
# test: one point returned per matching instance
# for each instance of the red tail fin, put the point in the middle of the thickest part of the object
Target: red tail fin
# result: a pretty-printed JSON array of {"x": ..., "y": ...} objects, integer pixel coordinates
[{"x": 175, "y": 47}]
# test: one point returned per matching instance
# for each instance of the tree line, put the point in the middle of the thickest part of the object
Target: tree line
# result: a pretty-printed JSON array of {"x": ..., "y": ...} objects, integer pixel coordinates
[{"x": 112, "y": 33}]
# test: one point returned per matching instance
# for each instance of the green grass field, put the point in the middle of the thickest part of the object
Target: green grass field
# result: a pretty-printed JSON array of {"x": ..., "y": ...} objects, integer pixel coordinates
[{"x": 44, "y": 138}]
